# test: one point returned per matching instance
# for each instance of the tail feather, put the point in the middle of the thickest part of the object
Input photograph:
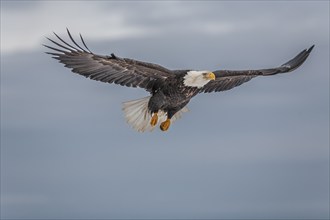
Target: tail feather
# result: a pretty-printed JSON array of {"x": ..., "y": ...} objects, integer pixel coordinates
[{"x": 138, "y": 116}]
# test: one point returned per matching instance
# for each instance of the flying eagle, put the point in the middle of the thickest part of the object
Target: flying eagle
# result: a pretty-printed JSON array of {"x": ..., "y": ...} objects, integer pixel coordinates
[{"x": 170, "y": 90}]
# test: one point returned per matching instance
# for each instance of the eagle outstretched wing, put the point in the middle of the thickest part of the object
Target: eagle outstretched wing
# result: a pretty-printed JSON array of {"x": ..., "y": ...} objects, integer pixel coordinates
[
  {"x": 228, "y": 79},
  {"x": 110, "y": 69}
]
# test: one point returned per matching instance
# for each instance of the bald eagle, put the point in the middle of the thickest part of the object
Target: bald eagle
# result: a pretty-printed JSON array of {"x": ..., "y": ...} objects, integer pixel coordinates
[{"x": 170, "y": 90}]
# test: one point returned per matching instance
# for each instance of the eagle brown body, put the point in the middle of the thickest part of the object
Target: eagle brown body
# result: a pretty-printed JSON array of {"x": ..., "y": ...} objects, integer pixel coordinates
[{"x": 170, "y": 90}]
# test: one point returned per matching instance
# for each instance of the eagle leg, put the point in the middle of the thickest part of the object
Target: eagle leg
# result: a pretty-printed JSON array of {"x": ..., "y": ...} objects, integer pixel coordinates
[
  {"x": 154, "y": 119},
  {"x": 165, "y": 125}
]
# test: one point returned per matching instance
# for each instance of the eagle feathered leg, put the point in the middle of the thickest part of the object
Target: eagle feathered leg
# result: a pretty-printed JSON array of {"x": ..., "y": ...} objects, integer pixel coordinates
[
  {"x": 165, "y": 125},
  {"x": 154, "y": 119}
]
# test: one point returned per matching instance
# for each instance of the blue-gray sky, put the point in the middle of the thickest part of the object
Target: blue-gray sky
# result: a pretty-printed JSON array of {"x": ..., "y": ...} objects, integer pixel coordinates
[{"x": 258, "y": 151}]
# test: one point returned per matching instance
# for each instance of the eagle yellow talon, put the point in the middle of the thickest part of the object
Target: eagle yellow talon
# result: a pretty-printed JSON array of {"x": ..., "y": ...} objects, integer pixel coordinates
[
  {"x": 154, "y": 119},
  {"x": 165, "y": 125}
]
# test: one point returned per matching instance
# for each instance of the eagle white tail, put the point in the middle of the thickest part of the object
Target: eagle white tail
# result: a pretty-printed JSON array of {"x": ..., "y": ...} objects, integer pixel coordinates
[{"x": 138, "y": 115}]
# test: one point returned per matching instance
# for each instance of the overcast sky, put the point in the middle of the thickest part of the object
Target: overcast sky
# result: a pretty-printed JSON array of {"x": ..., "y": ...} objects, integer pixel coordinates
[{"x": 258, "y": 151}]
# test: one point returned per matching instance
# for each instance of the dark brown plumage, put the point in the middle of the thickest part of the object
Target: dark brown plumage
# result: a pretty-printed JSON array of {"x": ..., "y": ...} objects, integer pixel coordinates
[{"x": 170, "y": 90}]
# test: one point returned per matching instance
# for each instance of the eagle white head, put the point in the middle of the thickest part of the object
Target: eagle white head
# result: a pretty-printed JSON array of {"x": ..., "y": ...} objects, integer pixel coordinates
[{"x": 198, "y": 78}]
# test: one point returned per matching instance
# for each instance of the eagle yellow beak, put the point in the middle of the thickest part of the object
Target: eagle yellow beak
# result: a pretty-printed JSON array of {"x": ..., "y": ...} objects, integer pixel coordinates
[{"x": 210, "y": 76}]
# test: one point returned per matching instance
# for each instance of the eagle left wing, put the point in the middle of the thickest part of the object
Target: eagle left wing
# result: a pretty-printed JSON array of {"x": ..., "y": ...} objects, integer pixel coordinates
[
  {"x": 109, "y": 69},
  {"x": 228, "y": 79}
]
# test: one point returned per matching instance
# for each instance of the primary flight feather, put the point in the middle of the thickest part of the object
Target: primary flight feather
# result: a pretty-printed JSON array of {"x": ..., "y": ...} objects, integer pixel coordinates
[{"x": 170, "y": 90}]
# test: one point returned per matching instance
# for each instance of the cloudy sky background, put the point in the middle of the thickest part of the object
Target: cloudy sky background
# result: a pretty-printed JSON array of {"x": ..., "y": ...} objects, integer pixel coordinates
[{"x": 258, "y": 151}]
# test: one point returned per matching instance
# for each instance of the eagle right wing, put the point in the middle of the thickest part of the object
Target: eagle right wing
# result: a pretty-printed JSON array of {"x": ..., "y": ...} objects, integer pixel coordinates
[
  {"x": 109, "y": 69},
  {"x": 228, "y": 79}
]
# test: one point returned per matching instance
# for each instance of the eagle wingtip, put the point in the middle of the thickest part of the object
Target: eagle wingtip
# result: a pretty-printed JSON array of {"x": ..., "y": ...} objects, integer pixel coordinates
[{"x": 311, "y": 48}]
